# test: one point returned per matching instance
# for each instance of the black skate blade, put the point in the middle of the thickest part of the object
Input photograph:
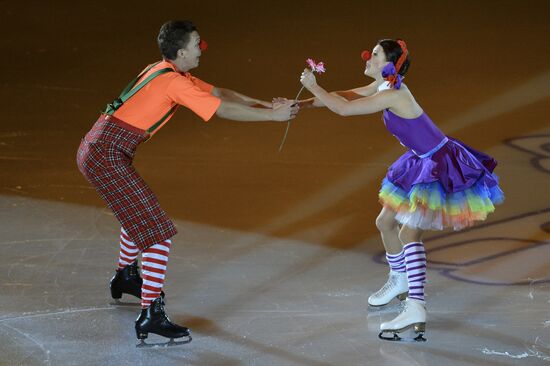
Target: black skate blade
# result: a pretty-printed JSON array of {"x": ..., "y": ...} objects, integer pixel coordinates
[
  {"x": 171, "y": 343},
  {"x": 397, "y": 338}
]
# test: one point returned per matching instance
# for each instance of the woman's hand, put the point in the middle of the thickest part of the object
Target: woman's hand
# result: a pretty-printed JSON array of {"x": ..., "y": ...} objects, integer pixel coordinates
[
  {"x": 278, "y": 101},
  {"x": 308, "y": 79}
]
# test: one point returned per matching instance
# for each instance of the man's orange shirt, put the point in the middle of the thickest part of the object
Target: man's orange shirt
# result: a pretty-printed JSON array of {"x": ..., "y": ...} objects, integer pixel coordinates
[{"x": 154, "y": 100}]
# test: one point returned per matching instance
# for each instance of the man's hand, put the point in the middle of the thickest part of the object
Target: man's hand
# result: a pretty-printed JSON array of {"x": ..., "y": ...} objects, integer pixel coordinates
[{"x": 285, "y": 111}]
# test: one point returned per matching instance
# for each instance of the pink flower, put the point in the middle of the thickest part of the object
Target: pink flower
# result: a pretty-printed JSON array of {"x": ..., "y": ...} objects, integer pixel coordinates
[
  {"x": 321, "y": 67},
  {"x": 316, "y": 67}
]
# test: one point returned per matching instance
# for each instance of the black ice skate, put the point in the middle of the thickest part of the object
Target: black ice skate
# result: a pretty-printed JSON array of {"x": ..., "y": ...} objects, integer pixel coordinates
[
  {"x": 154, "y": 320},
  {"x": 127, "y": 281}
]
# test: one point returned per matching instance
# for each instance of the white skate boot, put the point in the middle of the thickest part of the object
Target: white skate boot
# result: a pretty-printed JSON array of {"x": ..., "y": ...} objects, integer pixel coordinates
[
  {"x": 396, "y": 286},
  {"x": 412, "y": 316}
]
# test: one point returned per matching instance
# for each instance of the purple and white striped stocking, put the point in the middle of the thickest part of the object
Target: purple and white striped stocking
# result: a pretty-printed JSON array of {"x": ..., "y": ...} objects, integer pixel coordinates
[
  {"x": 415, "y": 263},
  {"x": 396, "y": 261}
]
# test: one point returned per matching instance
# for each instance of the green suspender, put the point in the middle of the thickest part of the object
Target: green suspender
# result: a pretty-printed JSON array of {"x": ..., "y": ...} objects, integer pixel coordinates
[
  {"x": 129, "y": 91},
  {"x": 168, "y": 114}
]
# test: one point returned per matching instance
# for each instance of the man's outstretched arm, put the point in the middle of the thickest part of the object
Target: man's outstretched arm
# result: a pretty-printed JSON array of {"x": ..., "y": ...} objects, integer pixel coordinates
[
  {"x": 235, "y": 97},
  {"x": 241, "y": 112}
]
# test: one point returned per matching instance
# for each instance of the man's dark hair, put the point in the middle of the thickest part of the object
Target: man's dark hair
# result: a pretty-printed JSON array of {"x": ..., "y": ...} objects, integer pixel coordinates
[{"x": 174, "y": 35}]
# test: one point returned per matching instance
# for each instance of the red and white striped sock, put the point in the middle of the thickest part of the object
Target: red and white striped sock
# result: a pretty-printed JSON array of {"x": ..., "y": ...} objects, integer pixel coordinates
[
  {"x": 128, "y": 250},
  {"x": 153, "y": 270}
]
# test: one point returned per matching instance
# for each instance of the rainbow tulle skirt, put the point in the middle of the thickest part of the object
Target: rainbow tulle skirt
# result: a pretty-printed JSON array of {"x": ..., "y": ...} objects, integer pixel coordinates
[{"x": 453, "y": 188}]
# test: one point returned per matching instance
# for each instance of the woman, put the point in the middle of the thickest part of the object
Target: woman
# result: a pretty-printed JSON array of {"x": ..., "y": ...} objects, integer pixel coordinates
[{"x": 438, "y": 183}]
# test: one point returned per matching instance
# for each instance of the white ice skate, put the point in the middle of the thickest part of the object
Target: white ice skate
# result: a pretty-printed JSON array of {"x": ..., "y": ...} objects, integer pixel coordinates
[
  {"x": 413, "y": 316},
  {"x": 396, "y": 286}
]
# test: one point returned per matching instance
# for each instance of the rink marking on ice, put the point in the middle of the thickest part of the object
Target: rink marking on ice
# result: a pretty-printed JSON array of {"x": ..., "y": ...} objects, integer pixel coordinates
[
  {"x": 38, "y": 314},
  {"x": 533, "y": 352},
  {"x": 55, "y": 240},
  {"x": 538, "y": 146},
  {"x": 532, "y": 289},
  {"x": 28, "y": 336},
  {"x": 487, "y": 351}
]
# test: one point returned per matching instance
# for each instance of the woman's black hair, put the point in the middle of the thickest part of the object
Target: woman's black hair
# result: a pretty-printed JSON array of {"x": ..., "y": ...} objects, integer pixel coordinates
[{"x": 393, "y": 51}]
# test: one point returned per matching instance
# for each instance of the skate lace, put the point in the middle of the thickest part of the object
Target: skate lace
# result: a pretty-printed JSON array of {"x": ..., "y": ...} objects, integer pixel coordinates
[
  {"x": 133, "y": 269},
  {"x": 387, "y": 286},
  {"x": 159, "y": 308}
]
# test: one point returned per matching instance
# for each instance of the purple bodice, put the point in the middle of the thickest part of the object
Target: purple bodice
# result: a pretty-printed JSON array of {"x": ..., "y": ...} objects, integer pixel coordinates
[
  {"x": 419, "y": 134},
  {"x": 432, "y": 156}
]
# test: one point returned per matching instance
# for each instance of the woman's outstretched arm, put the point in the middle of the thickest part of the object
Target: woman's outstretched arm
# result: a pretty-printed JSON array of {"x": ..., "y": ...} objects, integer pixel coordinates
[
  {"x": 365, "y": 105},
  {"x": 351, "y": 94}
]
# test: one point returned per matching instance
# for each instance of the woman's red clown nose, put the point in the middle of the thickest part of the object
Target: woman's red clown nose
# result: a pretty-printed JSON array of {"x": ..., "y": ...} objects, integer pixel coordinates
[{"x": 365, "y": 55}]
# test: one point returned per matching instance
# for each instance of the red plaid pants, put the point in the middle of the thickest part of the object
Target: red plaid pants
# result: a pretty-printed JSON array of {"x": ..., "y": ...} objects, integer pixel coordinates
[{"x": 105, "y": 159}]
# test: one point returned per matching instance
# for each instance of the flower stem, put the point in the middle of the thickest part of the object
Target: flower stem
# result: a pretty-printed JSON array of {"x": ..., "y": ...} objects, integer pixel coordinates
[
  {"x": 288, "y": 123},
  {"x": 300, "y": 92}
]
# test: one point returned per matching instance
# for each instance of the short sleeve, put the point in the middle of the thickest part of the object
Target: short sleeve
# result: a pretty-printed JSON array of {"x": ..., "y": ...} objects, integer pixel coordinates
[
  {"x": 194, "y": 94},
  {"x": 203, "y": 85}
]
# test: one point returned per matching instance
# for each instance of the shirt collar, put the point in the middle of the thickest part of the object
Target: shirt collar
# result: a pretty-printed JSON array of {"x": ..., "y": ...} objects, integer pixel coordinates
[{"x": 176, "y": 69}]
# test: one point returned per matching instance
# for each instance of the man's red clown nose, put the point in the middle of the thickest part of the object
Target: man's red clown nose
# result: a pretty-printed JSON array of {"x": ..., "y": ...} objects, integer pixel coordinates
[
  {"x": 203, "y": 45},
  {"x": 365, "y": 55}
]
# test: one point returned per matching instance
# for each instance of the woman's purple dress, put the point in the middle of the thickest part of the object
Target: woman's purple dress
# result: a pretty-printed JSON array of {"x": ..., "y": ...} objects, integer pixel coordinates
[{"x": 439, "y": 182}]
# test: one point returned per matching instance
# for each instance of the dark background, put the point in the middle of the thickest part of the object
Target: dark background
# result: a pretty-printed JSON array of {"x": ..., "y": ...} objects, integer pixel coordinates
[{"x": 62, "y": 61}]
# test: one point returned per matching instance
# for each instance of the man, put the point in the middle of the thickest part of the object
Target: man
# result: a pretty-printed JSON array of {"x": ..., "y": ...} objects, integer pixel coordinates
[{"x": 106, "y": 153}]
